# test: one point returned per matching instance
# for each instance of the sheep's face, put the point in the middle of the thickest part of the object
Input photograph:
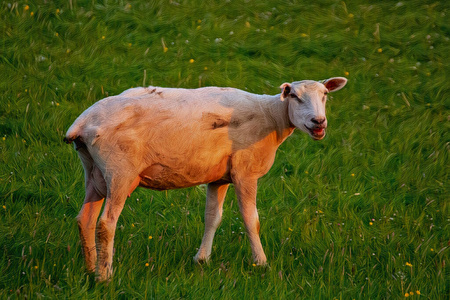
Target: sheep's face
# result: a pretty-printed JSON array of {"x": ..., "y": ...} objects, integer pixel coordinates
[{"x": 306, "y": 106}]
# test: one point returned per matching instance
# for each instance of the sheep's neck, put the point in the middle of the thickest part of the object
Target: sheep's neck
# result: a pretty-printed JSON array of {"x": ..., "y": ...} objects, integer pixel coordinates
[{"x": 278, "y": 116}]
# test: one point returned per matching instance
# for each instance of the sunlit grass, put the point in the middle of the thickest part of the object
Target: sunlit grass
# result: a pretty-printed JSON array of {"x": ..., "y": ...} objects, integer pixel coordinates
[{"x": 362, "y": 214}]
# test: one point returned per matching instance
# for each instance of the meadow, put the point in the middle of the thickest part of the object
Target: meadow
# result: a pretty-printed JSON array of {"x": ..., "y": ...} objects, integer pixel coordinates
[{"x": 362, "y": 214}]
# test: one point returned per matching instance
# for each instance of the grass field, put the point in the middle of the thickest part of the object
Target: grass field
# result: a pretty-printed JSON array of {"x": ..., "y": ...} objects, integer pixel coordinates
[{"x": 362, "y": 214}]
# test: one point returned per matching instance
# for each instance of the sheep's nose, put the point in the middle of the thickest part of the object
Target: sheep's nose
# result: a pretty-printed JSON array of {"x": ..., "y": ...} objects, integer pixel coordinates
[{"x": 318, "y": 121}]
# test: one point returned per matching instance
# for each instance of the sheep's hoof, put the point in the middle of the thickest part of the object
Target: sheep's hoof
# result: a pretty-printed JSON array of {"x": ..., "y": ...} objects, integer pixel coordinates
[
  {"x": 102, "y": 279},
  {"x": 260, "y": 261},
  {"x": 90, "y": 270},
  {"x": 201, "y": 259},
  {"x": 104, "y": 275},
  {"x": 262, "y": 266}
]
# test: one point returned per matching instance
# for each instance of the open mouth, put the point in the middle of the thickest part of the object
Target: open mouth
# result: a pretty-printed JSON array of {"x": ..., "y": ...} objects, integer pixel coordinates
[{"x": 316, "y": 133}]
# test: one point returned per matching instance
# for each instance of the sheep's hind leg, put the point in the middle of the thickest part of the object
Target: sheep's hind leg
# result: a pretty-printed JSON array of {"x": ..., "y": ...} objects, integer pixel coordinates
[
  {"x": 118, "y": 188},
  {"x": 93, "y": 201},
  {"x": 87, "y": 219},
  {"x": 215, "y": 196}
]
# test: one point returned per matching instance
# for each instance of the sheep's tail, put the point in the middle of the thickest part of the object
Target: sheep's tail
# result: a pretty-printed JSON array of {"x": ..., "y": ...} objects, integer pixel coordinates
[
  {"x": 74, "y": 132},
  {"x": 71, "y": 136},
  {"x": 69, "y": 140}
]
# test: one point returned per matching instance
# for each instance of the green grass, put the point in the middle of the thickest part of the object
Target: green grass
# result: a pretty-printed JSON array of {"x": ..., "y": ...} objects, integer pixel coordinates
[{"x": 341, "y": 218}]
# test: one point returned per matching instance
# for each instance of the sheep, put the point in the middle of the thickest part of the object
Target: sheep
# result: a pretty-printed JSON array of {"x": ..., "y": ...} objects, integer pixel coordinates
[{"x": 170, "y": 138}]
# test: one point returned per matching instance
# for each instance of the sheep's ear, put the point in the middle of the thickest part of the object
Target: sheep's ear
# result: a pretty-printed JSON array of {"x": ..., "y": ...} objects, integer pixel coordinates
[
  {"x": 335, "y": 83},
  {"x": 285, "y": 90}
]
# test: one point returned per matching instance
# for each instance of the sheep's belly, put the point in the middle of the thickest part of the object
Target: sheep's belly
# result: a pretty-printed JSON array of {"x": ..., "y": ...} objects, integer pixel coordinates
[{"x": 162, "y": 177}]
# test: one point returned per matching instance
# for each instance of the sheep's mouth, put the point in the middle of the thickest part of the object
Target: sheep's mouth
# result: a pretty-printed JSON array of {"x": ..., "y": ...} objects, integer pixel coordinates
[{"x": 316, "y": 133}]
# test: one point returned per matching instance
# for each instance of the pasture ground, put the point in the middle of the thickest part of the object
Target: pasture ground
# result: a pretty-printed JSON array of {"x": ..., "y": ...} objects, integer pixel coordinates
[{"x": 362, "y": 214}]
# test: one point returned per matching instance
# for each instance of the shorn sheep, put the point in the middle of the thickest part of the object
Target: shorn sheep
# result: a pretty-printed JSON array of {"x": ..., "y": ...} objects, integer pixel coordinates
[{"x": 169, "y": 138}]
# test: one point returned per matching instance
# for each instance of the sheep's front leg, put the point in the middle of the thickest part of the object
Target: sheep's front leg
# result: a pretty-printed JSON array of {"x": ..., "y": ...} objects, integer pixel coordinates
[
  {"x": 246, "y": 193},
  {"x": 215, "y": 196}
]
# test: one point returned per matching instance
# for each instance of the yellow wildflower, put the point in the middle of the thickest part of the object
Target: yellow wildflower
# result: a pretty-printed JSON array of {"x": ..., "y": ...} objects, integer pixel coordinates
[
  {"x": 191, "y": 60},
  {"x": 57, "y": 10},
  {"x": 56, "y": 34},
  {"x": 247, "y": 24},
  {"x": 129, "y": 44},
  {"x": 132, "y": 225},
  {"x": 370, "y": 223},
  {"x": 408, "y": 264},
  {"x": 411, "y": 293},
  {"x": 406, "y": 295},
  {"x": 350, "y": 15},
  {"x": 3, "y": 138},
  {"x": 430, "y": 249},
  {"x": 254, "y": 265},
  {"x": 166, "y": 49},
  {"x": 57, "y": 104},
  {"x": 27, "y": 7},
  {"x": 353, "y": 175},
  {"x": 4, "y": 206},
  {"x": 31, "y": 14},
  {"x": 36, "y": 267},
  {"x": 150, "y": 237},
  {"x": 346, "y": 73},
  {"x": 418, "y": 292},
  {"x": 147, "y": 264},
  {"x": 380, "y": 50},
  {"x": 303, "y": 35},
  {"x": 103, "y": 37},
  {"x": 290, "y": 229},
  {"x": 206, "y": 68}
]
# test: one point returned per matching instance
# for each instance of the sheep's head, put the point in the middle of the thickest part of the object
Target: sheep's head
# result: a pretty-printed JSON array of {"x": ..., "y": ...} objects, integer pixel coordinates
[{"x": 307, "y": 101}]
